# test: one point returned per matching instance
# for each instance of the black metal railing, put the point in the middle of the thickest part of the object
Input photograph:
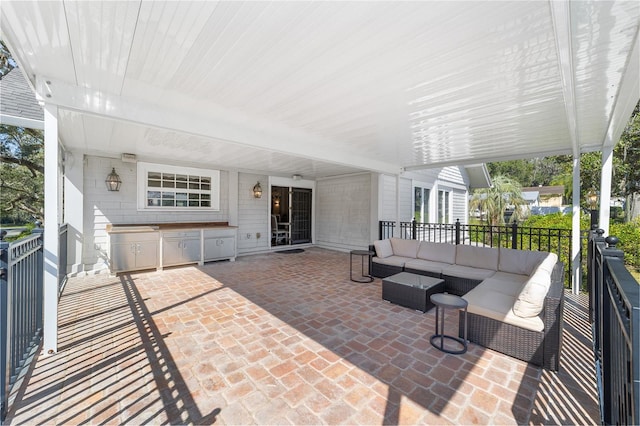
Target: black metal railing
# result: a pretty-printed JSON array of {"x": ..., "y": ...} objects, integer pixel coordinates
[
  {"x": 614, "y": 312},
  {"x": 21, "y": 304},
  {"x": 554, "y": 240}
]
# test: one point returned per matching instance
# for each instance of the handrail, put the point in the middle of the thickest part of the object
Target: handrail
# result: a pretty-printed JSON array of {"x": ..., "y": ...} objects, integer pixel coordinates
[
  {"x": 21, "y": 304},
  {"x": 614, "y": 307}
]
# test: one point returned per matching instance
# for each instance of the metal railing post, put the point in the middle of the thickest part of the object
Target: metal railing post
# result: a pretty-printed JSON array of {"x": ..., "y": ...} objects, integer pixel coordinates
[
  {"x": 457, "y": 231},
  {"x": 514, "y": 235},
  {"x": 413, "y": 229}
]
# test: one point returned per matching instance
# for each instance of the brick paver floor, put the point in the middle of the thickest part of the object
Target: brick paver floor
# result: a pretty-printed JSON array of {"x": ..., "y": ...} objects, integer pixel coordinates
[{"x": 282, "y": 339}]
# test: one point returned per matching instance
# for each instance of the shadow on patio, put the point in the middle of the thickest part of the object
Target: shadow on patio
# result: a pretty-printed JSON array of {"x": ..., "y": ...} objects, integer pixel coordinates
[{"x": 283, "y": 338}]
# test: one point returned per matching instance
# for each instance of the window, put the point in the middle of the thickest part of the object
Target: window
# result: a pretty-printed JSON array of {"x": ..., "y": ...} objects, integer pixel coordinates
[
  {"x": 163, "y": 187},
  {"x": 421, "y": 204},
  {"x": 444, "y": 207}
]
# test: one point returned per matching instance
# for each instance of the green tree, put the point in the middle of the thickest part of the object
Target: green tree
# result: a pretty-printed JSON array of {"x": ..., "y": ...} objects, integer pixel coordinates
[
  {"x": 627, "y": 172},
  {"x": 21, "y": 173},
  {"x": 6, "y": 61},
  {"x": 519, "y": 170},
  {"x": 504, "y": 193}
]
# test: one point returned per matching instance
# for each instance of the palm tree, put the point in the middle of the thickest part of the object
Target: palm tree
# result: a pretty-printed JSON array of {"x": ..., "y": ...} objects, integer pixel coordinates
[{"x": 505, "y": 192}]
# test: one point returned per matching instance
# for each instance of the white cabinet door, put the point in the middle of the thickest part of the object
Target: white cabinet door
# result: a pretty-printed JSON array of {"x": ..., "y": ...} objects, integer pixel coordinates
[
  {"x": 134, "y": 251},
  {"x": 146, "y": 254},
  {"x": 219, "y": 248}
]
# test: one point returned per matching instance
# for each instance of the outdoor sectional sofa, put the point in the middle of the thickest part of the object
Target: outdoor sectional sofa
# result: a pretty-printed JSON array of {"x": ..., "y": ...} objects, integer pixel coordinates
[{"x": 515, "y": 297}]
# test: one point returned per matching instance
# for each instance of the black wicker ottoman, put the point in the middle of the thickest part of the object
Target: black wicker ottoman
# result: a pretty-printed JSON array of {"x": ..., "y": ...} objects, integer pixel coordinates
[{"x": 411, "y": 290}]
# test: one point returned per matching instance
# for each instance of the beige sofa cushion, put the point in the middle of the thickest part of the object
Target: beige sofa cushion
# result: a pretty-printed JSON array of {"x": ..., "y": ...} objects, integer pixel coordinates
[
  {"x": 426, "y": 265},
  {"x": 548, "y": 263},
  {"x": 405, "y": 248},
  {"x": 383, "y": 248},
  {"x": 391, "y": 260},
  {"x": 477, "y": 257},
  {"x": 498, "y": 306},
  {"x": 530, "y": 301},
  {"x": 437, "y": 252},
  {"x": 522, "y": 262},
  {"x": 504, "y": 282},
  {"x": 469, "y": 272}
]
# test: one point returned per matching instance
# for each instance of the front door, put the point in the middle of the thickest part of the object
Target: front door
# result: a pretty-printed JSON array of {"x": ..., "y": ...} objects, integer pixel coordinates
[
  {"x": 300, "y": 215},
  {"x": 292, "y": 209}
]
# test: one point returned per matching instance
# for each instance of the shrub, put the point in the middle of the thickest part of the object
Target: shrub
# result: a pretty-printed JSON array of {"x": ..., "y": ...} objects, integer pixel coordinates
[{"x": 629, "y": 236}]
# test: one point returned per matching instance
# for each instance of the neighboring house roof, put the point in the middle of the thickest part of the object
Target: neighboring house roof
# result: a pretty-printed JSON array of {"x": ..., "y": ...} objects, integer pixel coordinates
[
  {"x": 546, "y": 190},
  {"x": 530, "y": 196},
  {"x": 18, "y": 103}
]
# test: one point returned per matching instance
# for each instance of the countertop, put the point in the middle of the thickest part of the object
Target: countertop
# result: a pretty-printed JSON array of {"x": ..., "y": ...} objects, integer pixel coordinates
[{"x": 152, "y": 227}]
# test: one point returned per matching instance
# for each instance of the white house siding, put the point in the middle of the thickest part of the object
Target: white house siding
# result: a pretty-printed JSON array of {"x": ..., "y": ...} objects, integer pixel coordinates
[
  {"x": 343, "y": 212},
  {"x": 102, "y": 207},
  {"x": 388, "y": 199},
  {"x": 451, "y": 175},
  {"x": 253, "y": 214},
  {"x": 460, "y": 205}
]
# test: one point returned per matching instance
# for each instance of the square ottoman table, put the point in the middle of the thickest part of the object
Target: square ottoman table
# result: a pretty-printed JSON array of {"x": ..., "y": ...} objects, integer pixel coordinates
[{"x": 411, "y": 290}]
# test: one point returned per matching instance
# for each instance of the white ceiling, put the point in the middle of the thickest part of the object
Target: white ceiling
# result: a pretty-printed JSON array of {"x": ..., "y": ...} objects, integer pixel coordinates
[{"x": 325, "y": 88}]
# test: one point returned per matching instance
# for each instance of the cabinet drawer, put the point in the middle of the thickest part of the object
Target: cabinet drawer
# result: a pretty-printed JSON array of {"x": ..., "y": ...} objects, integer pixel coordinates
[
  {"x": 220, "y": 232},
  {"x": 133, "y": 237},
  {"x": 181, "y": 234}
]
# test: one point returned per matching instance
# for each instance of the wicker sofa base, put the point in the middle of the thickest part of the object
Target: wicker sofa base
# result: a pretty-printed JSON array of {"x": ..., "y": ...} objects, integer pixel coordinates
[
  {"x": 517, "y": 342},
  {"x": 383, "y": 271},
  {"x": 540, "y": 348},
  {"x": 458, "y": 285}
]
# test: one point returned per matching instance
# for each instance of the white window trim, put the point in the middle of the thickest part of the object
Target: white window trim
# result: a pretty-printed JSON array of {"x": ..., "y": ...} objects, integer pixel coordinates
[
  {"x": 429, "y": 202},
  {"x": 144, "y": 168},
  {"x": 449, "y": 207}
]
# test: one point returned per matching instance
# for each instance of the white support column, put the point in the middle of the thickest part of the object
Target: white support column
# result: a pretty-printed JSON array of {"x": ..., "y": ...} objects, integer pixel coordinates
[
  {"x": 233, "y": 190},
  {"x": 396, "y": 230},
  {"x": 605, "y": 188},
  {"x": 51, "y": 237},
  {"x": 374, "y": 210},
  {"x": 576, "y": 274}
]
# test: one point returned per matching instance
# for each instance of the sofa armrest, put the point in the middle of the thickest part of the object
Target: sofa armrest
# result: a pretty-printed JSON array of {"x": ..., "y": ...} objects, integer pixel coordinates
[{"x": 553, "y": 318}]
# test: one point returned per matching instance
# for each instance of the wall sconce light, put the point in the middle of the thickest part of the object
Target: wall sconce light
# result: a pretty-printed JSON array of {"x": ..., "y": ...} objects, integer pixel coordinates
[
  {"x": 276, "y": 200},
  {"x": 113, "y": 181},
  {"x": 257, "y": 190},
  {"x": 592, "y": 202}
]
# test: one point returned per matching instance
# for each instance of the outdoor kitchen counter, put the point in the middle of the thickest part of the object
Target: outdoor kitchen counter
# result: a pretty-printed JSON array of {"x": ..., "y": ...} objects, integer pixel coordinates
[
  {"x": 177, "y": 226},
  {"x": 158, "y": 245}
]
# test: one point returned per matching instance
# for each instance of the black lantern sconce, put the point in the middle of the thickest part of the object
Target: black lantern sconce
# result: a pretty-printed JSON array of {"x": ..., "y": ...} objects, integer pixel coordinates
[
  {"x": 113, "y": 181},
  {"x": 257, "y": 190},
  {"x": 592, "y": 202}
]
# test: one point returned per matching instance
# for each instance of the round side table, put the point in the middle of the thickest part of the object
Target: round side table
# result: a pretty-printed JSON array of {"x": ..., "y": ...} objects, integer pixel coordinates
[
  {"x": 365, "y": 277},
  {"x": 445, "y": 301}
]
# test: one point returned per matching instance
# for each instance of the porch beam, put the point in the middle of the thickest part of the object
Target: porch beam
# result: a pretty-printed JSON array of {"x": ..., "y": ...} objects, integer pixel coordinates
[
  {"x": 214, "y": 122},
  {"x": 627, "y": 96},
  {"x": 561, "y": 17},
  {"x": 51, "y": 235}
]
